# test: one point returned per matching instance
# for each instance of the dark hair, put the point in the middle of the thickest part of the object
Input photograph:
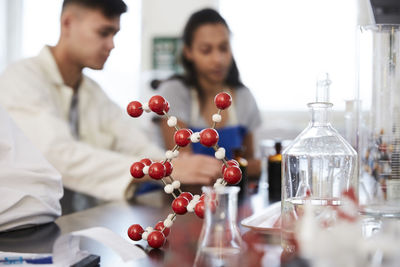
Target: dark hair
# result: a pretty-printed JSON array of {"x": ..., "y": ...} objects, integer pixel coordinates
[
  {"x": 197, "y": 19},
  {"x": 109, "y": 8}
]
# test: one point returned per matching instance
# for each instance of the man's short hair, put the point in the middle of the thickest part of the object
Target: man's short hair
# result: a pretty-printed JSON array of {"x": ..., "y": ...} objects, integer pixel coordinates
[{"x": 109, "y": 8}]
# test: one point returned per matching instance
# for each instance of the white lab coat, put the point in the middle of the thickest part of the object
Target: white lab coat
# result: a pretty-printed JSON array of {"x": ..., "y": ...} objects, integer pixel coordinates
[
  {"x": 30, "y": 188},
  {"x": 34, "y": 94}
]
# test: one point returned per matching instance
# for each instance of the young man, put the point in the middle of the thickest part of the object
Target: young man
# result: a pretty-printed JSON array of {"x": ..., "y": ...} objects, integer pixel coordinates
[
  {"x": 30, "y": 187},
  {"x": 86, "y": 136}
]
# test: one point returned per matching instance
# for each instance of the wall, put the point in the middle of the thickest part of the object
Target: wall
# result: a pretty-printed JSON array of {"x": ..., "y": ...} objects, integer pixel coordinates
[
  {"x": 3, "y": 28},
  {"x": 285, "y": 125},
  {"x": 162, "y": 19},
  {"x": 166, "y": 18},
  {"x": 10, "y": 31}
]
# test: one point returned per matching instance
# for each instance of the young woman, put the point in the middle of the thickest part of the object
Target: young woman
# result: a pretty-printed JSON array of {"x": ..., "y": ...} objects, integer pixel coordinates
[{"x": 209, "y": 68}]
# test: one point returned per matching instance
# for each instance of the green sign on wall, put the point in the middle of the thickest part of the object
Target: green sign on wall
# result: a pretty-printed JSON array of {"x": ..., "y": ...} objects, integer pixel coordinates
[{"x": 166, "y": 53}]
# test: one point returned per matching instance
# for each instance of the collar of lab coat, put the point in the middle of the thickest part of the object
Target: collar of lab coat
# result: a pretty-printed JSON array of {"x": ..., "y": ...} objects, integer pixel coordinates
[{"x": 49, "y": 65}]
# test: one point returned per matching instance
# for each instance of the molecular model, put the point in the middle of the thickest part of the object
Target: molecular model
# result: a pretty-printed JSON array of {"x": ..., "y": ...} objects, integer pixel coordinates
[{"x": 184, "y": 201}]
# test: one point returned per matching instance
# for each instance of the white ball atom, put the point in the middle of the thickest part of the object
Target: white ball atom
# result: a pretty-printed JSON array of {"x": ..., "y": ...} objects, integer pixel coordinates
[
  {"x": 218, "y": 186},
  {"x": 176, "y": 184},
  {"x": 149, "y": 229},
  {"x": 169, "y": 154},
  {"x": 220, "y": 153},
  {"x": 190, "y": 207},
  {"x": 195, "y": 137},
  {"x": 216, "y": 118},
  {"x": 176, "y": 153},
  {"x": 168, "y": 188},
  {"x": 145, "y": 107},
  {"x": 145, "y": 235},
  {"x": 168, "y": 222},
  {"x": 172, "y": 121},
  {"x": 192, "y": 204},
  {"x": 146, "y": 169},
  {"x": 219, "y": 180}
]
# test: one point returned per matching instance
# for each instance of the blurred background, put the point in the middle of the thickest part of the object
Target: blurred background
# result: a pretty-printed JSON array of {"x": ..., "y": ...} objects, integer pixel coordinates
[{"x": 280, "y": 47}]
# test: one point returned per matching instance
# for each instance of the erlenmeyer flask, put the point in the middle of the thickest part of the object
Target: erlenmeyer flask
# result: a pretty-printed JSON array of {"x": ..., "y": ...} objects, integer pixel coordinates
[
  {"x": 220, "y": 243},
  {"x": 303, "y": 190}
]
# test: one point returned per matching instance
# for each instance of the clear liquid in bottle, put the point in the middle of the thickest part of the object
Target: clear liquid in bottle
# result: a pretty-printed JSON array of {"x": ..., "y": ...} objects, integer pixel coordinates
[{"x": 317, "y": 167}]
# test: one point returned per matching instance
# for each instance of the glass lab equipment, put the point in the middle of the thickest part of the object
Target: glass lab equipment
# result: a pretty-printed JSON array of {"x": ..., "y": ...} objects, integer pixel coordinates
[
  {"x": 220, "y": 243},
  {"x": 379, "y": 124},
  {"x": 275, "y": 173},
  {"x": 316, "y": 167},
  {"x": 350, "y": 122}
]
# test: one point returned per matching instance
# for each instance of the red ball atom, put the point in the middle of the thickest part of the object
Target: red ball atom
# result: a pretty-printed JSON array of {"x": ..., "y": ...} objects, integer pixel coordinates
[
  {"x": 223, "y": 100},
  {"x": 231, "y": 162},
  {"x": 232, "y": 175},
  {"x": 156, "y": 239},
  {"x": 179, "y": 205},
  {"x": 137, "y": 170},
  {"x": 182, "y": 137},
  {"x": 157, "y": 171},
  {"x": 209, "y": 137},
  {"x": 157, "y": 104},
  {"x": 146, "y": 162},
  {"x": 186, "y": 195},
  {"x": 134, "y": 109},
  {"x": 166, "y": 107},
  {"x": 135, "y": 232},
  {"x": 168, "y": 168},
  {"x": 160, "y": 226},
  {"x": 199, "y": 209}
]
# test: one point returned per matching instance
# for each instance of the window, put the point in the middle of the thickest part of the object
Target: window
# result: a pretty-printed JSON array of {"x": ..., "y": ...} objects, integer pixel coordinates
[{"x": 282, "y": 45}]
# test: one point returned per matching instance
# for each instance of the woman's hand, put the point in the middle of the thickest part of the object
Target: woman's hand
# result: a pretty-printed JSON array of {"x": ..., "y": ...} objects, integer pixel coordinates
[{"x": 196, "y": 169}]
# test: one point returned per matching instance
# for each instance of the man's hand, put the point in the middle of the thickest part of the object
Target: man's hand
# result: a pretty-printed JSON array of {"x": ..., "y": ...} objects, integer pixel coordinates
[{"x": 196, "y": 169}]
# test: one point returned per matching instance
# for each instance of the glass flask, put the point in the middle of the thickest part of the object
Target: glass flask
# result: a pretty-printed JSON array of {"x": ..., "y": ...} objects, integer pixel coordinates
[
  {"x": 220, "y": 243},
  {"x": 316, "y": 167},
  {"x": 379, "y": 123}
]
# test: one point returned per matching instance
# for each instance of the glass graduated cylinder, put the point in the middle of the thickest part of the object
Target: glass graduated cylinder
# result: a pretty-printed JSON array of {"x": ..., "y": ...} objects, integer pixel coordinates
[{"x": 379, "y": 124}]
